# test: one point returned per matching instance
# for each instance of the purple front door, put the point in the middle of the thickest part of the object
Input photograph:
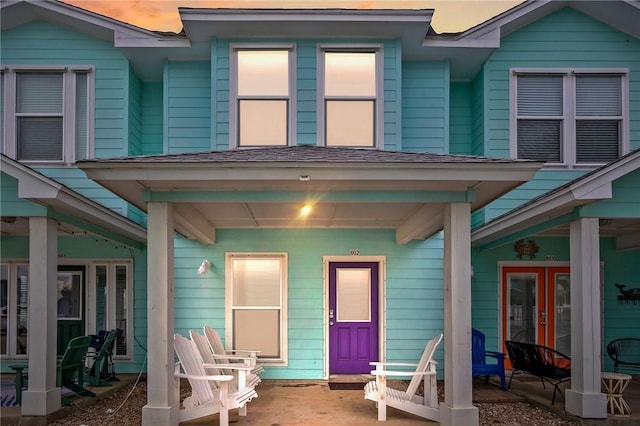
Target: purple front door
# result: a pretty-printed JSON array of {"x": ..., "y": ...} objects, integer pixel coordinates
[{"x": 353, "y": 317}]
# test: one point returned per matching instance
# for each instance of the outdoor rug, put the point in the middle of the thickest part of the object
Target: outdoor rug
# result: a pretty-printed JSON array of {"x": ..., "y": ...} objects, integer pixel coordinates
[
  {"x": 347, "y": 386},
  {"x": 7, "y": 393}
]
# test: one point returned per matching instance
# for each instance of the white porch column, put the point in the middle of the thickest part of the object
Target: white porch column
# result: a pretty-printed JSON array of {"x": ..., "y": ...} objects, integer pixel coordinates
[
  {"x": 162, "y": 406},
  {"x": 42, "y": 396},
  {"x": 458, "y": 408},
  {"x": 585, "y": 399}
]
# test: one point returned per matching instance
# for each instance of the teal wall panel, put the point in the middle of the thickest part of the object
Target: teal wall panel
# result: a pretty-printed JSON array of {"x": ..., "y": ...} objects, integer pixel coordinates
[
  {"x": 135, "y": 114},
  {"x": 425, "y": 91},
  {"x": 620, "y": 319},
  {"x": 414, "y": 288},
  {"x": 460, "y": 118},
  {"x": 12, "y": 204},
  {"x": 152, "y": 118},
  {"x": 565, "y": 39},
  {"x": 188, "y": 108}
]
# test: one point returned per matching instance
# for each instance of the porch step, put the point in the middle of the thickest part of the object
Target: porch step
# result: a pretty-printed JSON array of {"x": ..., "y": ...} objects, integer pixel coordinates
[{"x": 350, "y": 378}]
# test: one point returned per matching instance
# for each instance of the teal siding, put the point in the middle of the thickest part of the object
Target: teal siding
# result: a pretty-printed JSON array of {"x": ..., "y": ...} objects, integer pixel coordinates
[
  {"x": 622, "y": 319},
  {"x": 12, "y": 205},
  {"x": 135, "y": 114},
  {"x": 151, "y": 118},
  {"x": 565, "y": 39},
  {"x": 477, "y": 114},
  {"x": 460, "y": 119},
  {"x": 619, "y": 319},
  {"x": 392, "y": 96},
  {"x": 625, "y": 201},
  {"x": 43, "y": 43},
  {"x": 188, "y": 107},
  {"x": 425, "y": 91},
  {"x": 414, "y": 288},
  {"x": 306, "y": 85},
  {"x": 220, "y": 93}
]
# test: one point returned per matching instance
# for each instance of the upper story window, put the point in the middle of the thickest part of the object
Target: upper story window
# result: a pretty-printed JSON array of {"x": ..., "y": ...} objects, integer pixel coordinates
[
  {"x": 350, "y": 89},
  {"x": 262, "y": 95},
  {"x": 47, "y": 116},
  {"x": 569, "y": 118}
]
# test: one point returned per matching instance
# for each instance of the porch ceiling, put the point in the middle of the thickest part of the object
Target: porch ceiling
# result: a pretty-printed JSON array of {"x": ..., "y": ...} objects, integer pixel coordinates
[{"x": 348, "y": 188}]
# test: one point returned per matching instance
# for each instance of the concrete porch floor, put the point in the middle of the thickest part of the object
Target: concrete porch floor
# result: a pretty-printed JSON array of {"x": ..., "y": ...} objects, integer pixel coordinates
[{"x": 312, "y": 403}]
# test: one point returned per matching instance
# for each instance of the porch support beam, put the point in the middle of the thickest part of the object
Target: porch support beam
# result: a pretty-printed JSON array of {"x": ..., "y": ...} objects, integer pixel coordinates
[
  {"x": 42, "y": 397},
  {"x": 162, "y": 401},
  {"x": 458, "y": 408},
  {"x": 585, "y": 399}
]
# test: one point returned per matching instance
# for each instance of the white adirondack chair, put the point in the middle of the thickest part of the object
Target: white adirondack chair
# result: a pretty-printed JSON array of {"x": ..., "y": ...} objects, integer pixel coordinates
[
  {"x": 231, "y": 355},
  {"x": 210, "y": 393},
  {"x": 240, "y": 370},
  {"x": 424, "y": 406}
]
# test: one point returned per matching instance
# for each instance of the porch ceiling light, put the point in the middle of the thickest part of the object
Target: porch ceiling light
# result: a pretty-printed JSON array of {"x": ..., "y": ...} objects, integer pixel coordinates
[{"x": 305, "y": 210}]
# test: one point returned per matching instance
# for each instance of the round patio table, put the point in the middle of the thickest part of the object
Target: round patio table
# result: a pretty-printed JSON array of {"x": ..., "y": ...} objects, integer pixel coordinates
[{"x": 613, "y": 385}]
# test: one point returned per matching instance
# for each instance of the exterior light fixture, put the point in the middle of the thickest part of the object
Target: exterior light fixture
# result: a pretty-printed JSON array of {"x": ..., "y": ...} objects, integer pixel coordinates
[
  {"x": 204, "y": 267},
  {"x": 305, "y": 210}
]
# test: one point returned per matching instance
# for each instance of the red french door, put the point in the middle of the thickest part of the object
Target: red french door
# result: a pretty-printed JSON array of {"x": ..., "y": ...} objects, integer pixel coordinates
[{"x": 536, "y": 306}]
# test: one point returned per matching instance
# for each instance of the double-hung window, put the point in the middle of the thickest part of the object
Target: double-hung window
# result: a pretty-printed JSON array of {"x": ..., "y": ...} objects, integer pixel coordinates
[
  {"x": 47, "y": 114},
  {"x": 350, "y": 89},
  {"x": 256, "y": 297},
  {"x": 262, "y": 95},
  {"x": 569, "y": 118}
]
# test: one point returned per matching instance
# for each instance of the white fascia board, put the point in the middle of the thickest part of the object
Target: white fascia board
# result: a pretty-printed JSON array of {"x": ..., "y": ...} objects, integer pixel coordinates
[
  {"x": 80, "y": 206},
  {"x": 122, "y": 39},
  {"x": 325, "y": 171},
  {"x": 37, "y": 187},
  {"x": 307, "y": 15},
  {"x": 511, "y": 15},
  {"x": 591, "y": 188},
  {"x": 191, "y": 222},
  {"x": 491, "y": 40}
]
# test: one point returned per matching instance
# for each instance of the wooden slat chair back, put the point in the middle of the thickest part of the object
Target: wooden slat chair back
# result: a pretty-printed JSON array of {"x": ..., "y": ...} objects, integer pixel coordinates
[
  {"x": 239, "y": 355},
  {"x": 210, "y": 392},
  {"x": 99, "y": 371},
  {"x": 241, "y": 372},
  {"x": 71, "y": 367},
  {"x": 479, "y": 354},
  {"x": 424, "y": 372}
]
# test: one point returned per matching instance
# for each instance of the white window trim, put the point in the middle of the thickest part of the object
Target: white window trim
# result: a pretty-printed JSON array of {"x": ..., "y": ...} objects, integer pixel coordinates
[
  {"x": 382, "y": 301},
  {"x": 284, "y": 343},
  {"x": 568, "y": 149},
  {"x": 233, "y": 89},
  {"x": 92, "y": 308},
  {"x": 378, "y": 142},
  {"x": 69, "y": 146},
  {"x": 90, "y": 299}
]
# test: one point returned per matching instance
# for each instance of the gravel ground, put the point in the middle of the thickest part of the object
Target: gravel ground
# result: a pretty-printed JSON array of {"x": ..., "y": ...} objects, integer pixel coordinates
[{"x": 112, "y": 411}]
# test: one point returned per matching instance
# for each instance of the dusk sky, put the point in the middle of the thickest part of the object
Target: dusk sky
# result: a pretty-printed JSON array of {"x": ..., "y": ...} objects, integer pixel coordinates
[{"x": 162, "y": 15}]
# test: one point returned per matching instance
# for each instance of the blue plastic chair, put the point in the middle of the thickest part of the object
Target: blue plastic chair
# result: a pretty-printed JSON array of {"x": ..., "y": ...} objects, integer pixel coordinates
[{"x": 479, "y": 356}]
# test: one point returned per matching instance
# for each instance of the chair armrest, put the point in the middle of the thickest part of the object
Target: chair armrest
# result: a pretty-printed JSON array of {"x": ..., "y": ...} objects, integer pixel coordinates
[
  {"x": 252, "y": 354},
  {"x": 392, "y": 364},
  {"x": 239, "y": 367},
  {"x": 494, "y": 354},
  {"x": 251, "y": 359},
  {"x": 215, "y": 378},
  {"x": 401, "y": 373}
]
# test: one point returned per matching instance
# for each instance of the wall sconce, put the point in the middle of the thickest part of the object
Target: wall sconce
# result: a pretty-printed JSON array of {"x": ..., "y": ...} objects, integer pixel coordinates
[{"x": 204, "y": 267}]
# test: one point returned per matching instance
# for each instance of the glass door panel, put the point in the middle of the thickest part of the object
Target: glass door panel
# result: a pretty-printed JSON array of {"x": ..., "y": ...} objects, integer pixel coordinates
[{"x": 561, "y": 321}]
